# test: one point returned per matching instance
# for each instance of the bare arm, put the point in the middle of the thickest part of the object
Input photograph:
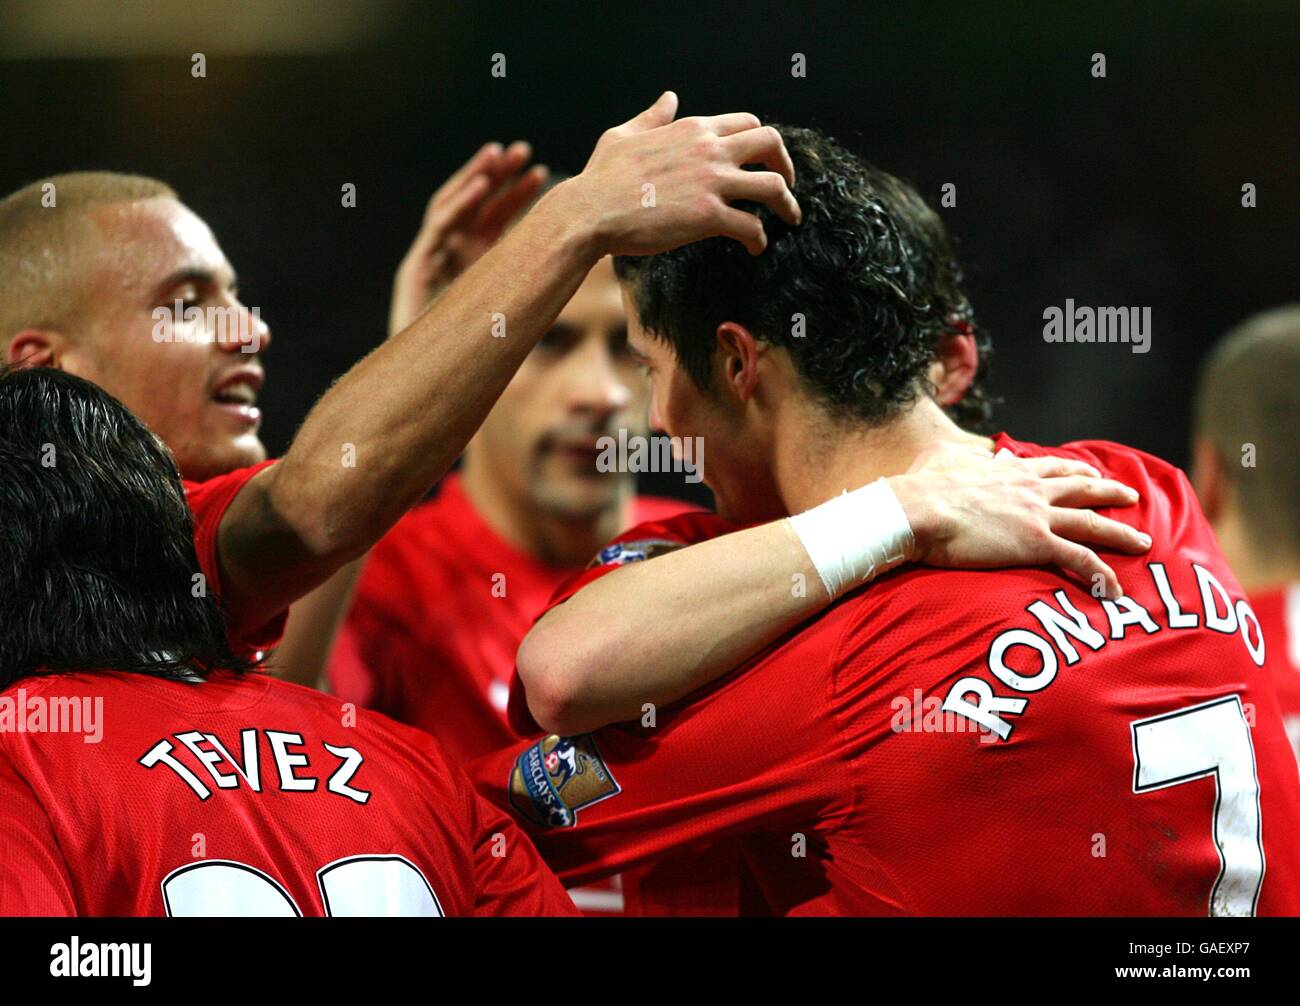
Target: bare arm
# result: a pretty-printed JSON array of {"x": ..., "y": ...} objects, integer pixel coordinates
[
  {"x": 717, "y": 603},
  {"x": 377, "y": 440}
]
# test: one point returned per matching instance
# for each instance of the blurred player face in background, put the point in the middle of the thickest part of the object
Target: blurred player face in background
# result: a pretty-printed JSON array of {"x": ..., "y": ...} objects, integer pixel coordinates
[
  {"x": 539, "y": 443},
  {"x": 188, "y": 379}
]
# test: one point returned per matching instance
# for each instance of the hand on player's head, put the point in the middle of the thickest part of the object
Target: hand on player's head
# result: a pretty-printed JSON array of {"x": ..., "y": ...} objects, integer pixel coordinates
[
  {"x": 657, "y": 182},
  {"x": 970, "y": 509}
]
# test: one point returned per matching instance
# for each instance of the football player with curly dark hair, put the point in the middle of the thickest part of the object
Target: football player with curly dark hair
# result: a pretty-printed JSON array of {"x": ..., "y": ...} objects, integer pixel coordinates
[{"x": 943, "y": 741}]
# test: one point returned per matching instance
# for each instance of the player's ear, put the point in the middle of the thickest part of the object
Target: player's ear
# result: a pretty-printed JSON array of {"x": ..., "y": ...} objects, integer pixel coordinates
[
  {"x": 1210, "y": 479},
  {"x": 740, "y": 352},
  {"x": 955, "y": 364},
  {"x": 35, "y": 347}
]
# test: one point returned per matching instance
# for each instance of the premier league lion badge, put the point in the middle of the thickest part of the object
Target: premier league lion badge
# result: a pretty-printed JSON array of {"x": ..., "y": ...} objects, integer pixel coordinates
[{"x": 556, "y": 777}]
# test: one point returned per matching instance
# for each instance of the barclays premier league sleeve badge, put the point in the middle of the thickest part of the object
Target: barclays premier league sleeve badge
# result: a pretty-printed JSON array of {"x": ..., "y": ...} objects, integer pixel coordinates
[
  {"x": 621, "y": 553},
  {"x": 556, "y": 777}
]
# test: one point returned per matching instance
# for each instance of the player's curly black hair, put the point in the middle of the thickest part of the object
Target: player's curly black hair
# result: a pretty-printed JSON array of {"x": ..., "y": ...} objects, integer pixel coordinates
[
  {"x": 97, "y": 561},
  {"x": 869, "y": 270}
]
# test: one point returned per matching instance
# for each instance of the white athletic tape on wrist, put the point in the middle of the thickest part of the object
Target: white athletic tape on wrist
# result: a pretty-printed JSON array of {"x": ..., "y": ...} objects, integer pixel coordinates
[{"x": 855, "y": 536}]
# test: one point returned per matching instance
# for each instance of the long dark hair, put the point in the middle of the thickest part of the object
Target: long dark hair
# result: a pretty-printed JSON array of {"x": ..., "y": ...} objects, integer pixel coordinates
[{"x": 97, "y": 562}]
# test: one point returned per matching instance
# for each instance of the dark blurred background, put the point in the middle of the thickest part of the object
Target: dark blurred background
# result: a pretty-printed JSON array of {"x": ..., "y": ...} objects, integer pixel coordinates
[{"x": 1123, "y": 191}]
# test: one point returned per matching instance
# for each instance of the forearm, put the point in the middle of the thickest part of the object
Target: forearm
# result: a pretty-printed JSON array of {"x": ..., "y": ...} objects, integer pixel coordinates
[
  {"x": 701, "y": 610},
  {"x": 395, "y": 423}
]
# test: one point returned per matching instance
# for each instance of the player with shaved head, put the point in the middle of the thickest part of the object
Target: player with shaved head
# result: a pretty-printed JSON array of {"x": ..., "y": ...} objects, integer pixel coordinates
[
  {"x": 89, "y": 259},
  {"x": 1246, "y": 469}
]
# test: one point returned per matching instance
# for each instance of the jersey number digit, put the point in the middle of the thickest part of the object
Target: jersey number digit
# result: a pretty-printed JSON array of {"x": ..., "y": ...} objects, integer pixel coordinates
[
  {"x": 1212, "y": 738},
  {"x": 359, "y": 886}
]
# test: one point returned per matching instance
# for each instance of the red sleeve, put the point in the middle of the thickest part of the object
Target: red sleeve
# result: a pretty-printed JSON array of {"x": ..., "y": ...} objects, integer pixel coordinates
[
  {"x": 33, "y": 876},
  {"x": 645, "y": 541},
  {"x": 208, "y": 502},
  {"x": 509, "y": 874},
  {"x": 758, "y": 752}
]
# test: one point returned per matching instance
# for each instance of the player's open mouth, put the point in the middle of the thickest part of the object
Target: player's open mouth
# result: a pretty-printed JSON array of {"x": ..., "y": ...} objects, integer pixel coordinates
[{"x": 236, "y": 394}]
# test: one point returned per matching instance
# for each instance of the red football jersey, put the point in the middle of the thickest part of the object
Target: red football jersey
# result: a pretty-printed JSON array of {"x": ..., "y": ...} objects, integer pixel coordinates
[
  {"x": 967, "y": 743},
  {"x": 208, "y": 502},
  {"x": 440, "y": 609},
  {"x": 123, "y": 794},
  {"x": 1279, "y": 615}
]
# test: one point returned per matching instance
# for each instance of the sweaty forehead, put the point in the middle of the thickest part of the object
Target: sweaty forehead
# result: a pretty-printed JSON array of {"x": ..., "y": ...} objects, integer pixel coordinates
[{"x": 143, "y": 243}]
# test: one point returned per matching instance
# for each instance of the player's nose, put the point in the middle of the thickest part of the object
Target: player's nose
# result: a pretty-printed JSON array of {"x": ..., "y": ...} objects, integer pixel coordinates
[
  {"x": 596, "y": 385},
  {"x": 655, "y": 419},
  {"x": 250, "y": 334}
]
